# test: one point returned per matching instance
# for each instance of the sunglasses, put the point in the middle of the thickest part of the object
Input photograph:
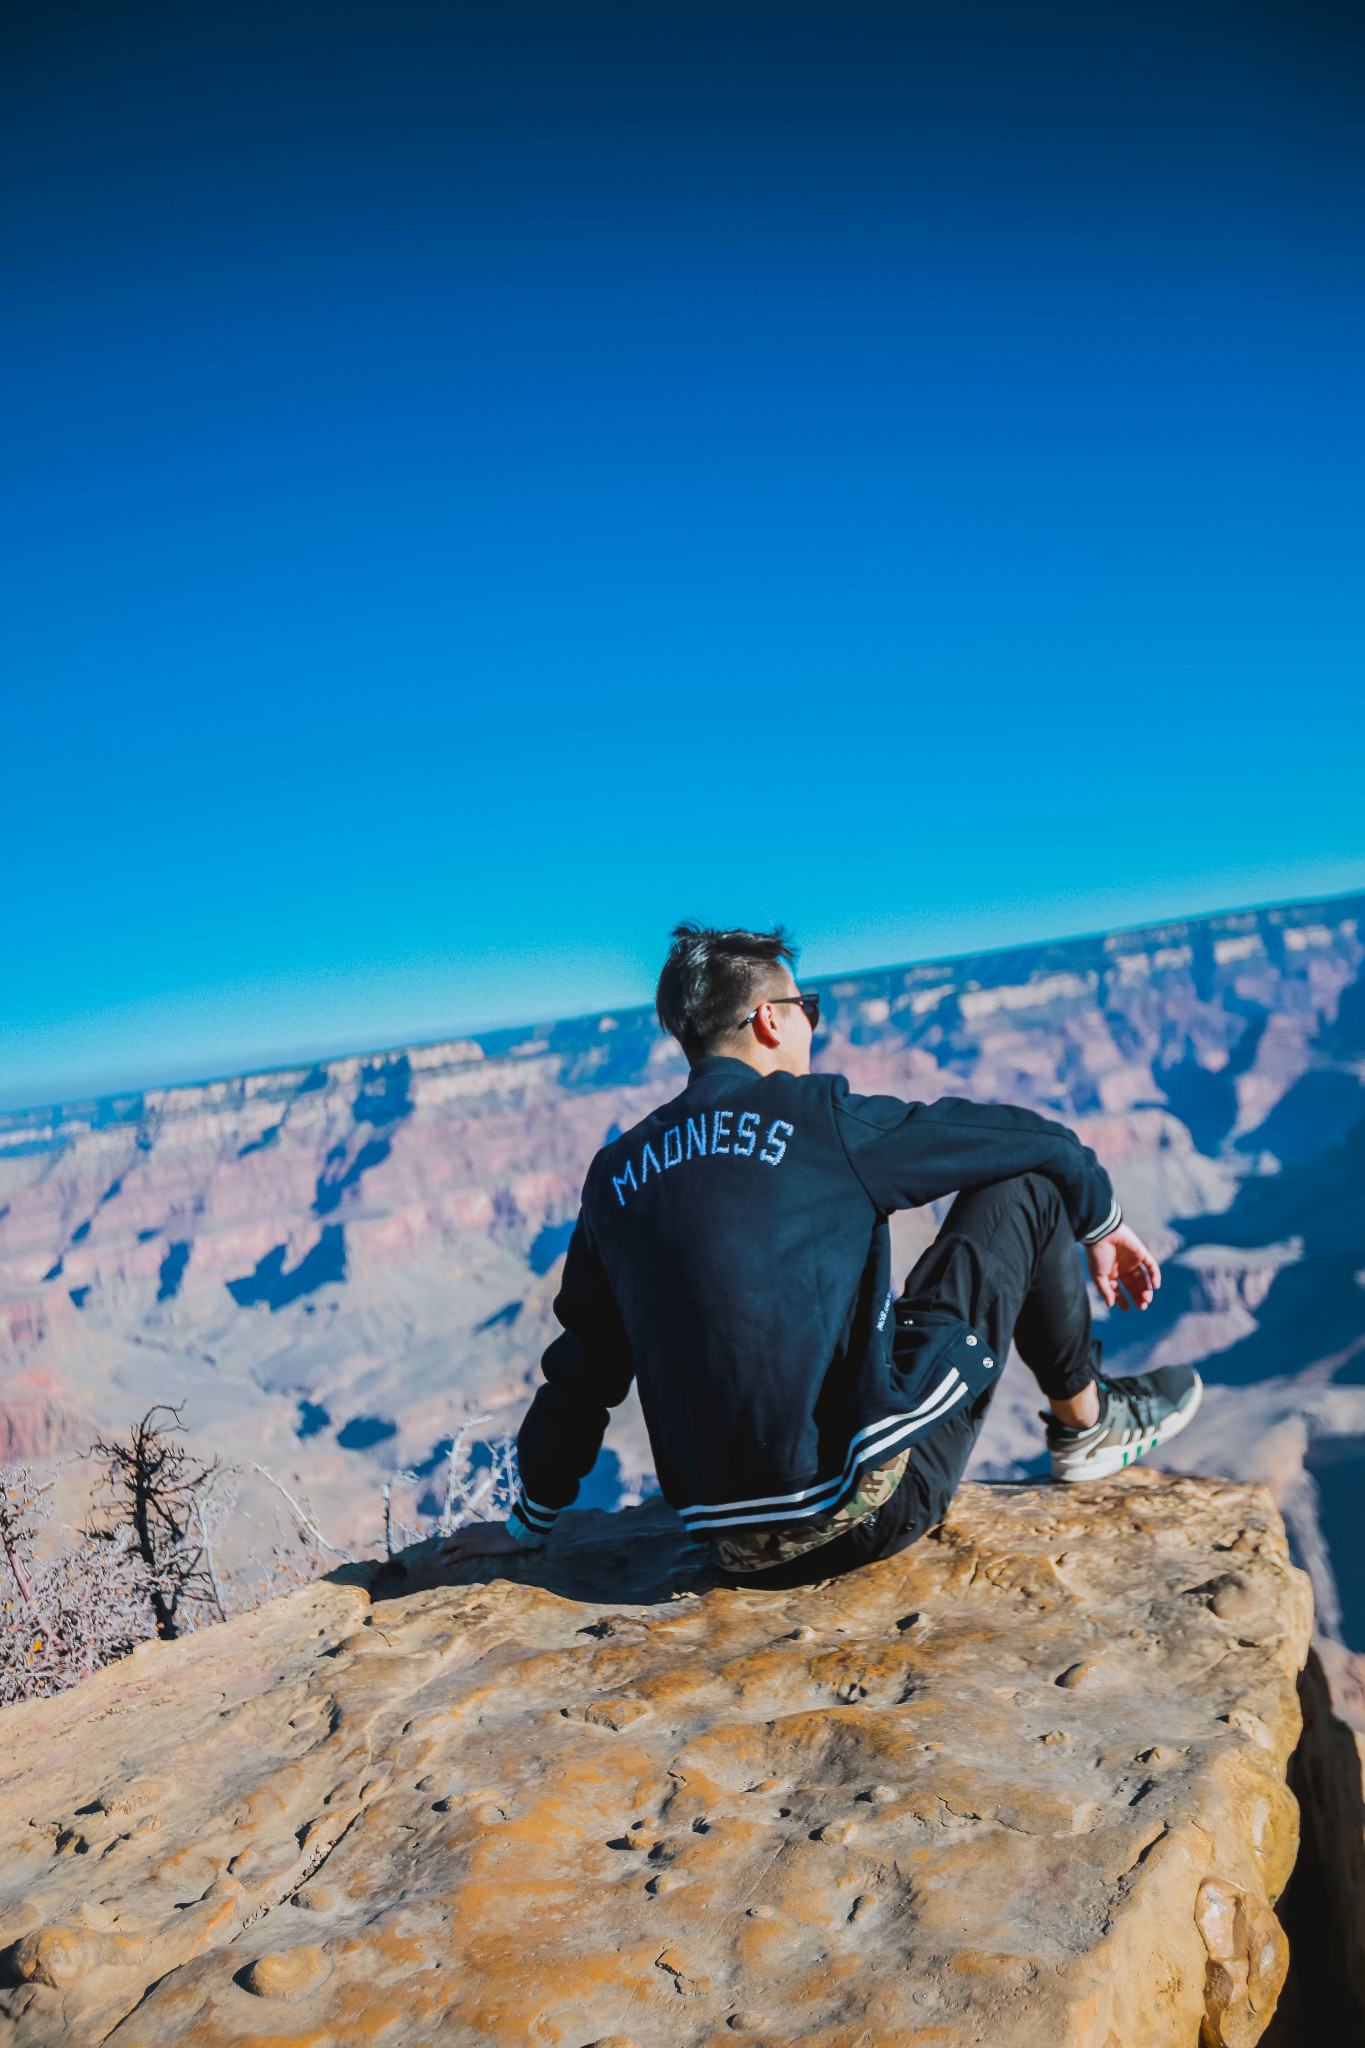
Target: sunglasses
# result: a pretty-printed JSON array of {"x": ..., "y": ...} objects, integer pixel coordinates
[{"x": 810, "y": 1009}]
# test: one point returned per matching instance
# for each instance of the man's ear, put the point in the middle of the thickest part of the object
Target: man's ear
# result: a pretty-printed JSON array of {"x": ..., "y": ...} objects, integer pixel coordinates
[{"x": 763, "y": 1027}]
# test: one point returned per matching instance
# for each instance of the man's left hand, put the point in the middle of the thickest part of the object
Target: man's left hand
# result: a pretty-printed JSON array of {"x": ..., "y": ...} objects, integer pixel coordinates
[
  {"x": 1123, "y": 1269},
  {"x": 480, "y": 1539}
]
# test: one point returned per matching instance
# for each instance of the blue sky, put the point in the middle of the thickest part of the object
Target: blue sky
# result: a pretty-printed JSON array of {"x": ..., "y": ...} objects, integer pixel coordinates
[{"x": 483, "y": 482}]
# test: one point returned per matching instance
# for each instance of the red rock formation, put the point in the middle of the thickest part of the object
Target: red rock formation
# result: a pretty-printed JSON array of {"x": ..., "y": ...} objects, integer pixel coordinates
[{"x": 378, "y": 1239}]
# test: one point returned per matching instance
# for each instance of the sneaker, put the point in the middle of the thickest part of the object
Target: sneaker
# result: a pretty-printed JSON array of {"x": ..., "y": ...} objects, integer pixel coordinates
[{"x": 1138, "y": 1414}]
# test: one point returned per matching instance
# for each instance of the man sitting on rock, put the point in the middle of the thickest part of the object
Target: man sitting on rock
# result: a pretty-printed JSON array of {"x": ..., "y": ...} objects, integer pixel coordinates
[{"x": 732, "y": 1255}]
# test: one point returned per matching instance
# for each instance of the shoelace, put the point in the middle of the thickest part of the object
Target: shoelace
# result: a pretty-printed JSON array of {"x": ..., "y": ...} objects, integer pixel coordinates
[{"x": 1141, "y": 1403}]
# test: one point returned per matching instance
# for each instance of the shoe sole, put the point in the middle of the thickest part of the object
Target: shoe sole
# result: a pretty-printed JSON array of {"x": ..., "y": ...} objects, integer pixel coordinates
[{"x": 1112, "y": 1458}]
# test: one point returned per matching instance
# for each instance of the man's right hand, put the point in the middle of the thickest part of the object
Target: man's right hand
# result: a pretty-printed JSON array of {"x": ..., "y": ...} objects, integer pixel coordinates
[
  {"x": 480, "y": 1539},
  {"x": 1123, "y": 1269}
]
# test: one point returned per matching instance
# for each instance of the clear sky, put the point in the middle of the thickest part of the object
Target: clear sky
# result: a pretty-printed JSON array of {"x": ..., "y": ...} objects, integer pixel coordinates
[{"x": 484, "y": 480}]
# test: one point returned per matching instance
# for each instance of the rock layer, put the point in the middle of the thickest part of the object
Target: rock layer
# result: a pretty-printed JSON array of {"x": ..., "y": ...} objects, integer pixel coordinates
[
  {"x": 332, "y": 1267},
  {"x": 1024, "y": 1783}
]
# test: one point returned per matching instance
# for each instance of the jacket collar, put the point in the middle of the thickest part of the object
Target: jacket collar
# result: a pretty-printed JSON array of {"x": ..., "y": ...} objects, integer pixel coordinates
[{"x": 720, "y": 1063}]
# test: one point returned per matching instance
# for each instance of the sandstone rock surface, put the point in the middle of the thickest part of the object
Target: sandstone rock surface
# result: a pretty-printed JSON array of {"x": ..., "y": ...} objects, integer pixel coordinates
[{"x": 1024, "y": 1784}]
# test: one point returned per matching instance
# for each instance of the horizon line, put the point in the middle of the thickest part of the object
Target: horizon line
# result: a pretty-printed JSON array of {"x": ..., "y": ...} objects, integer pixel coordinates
[{"x": 68, "y": 1104}]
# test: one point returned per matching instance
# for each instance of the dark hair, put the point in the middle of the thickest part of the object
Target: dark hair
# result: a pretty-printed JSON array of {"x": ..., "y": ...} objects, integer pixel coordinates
[{"x": 711, "y": 978}]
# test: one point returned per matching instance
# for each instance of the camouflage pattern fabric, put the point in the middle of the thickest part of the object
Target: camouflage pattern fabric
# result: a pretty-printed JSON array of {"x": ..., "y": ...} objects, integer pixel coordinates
[{"x": 753, "y": 1550}]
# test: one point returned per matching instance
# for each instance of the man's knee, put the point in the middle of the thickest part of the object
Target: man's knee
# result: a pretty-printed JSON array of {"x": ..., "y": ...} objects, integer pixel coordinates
[
  {"x": 1033, "y": 1193},
  {"x": 1038, "y": 1190}
]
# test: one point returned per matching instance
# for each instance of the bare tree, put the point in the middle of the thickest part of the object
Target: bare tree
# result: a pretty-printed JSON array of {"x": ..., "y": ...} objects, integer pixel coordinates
[
  {"x": 146, "y": 1564},
  {"x": 22, "y": 1510},
  {"x": 156, "y": 1490},
  {"x": 68, "y": 1615},
  {"x": 457, "y": 1504},
  {"x": 304, "y": 1518},
  {"x": 480, "y": 1493},
  {"x": 392, "y": 1528}
]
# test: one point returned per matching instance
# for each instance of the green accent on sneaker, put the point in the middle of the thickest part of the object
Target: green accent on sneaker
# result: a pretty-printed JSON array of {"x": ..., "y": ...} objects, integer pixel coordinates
[{"x": 1140, "y": 1413}]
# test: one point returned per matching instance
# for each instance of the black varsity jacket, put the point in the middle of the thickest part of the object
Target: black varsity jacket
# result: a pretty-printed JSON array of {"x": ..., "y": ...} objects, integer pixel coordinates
[{"x": 732, "y": 1255}]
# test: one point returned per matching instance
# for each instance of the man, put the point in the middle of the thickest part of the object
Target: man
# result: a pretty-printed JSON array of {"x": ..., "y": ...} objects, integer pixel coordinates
[{"x": 732, "y": 1255}]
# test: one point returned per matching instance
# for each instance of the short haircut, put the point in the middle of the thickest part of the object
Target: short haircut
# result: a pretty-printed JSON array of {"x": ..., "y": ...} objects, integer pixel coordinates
[{"x": 712, "y": 978}]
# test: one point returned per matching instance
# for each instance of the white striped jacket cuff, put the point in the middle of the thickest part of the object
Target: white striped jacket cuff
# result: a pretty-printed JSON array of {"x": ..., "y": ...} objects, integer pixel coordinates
[
  {"x": 530, "y": 1523},
  {"x": 1111, "y": 1222}
]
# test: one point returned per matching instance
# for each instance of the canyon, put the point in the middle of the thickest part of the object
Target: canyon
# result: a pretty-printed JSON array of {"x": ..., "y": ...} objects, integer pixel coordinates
[{"x": 332, "y": 1268}]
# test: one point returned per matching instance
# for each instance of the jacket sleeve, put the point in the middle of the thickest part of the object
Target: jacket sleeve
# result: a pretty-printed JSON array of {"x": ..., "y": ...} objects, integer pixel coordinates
[
  {"x": 908, "y": 1153},
  {"x": 586, "y": 1371}
]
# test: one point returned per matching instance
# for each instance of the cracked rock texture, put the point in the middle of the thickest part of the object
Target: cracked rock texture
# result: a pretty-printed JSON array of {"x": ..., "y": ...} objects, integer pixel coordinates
[{"x": 1023, "y": 1784}]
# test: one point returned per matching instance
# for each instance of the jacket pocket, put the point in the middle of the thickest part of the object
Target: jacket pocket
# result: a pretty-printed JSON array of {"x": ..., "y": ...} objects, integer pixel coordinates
[{"x": 928, "y": 1345}]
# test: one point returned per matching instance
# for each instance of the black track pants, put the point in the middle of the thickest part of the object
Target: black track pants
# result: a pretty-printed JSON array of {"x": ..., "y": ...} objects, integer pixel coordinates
[{"x": 1005, "y": 1262}]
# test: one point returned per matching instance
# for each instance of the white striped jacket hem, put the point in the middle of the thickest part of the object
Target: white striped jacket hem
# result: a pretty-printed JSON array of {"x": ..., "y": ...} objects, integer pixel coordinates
[{"x": 872, "y": 1445}]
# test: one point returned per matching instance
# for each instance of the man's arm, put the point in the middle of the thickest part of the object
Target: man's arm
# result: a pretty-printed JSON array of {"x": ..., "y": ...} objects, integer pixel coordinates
[
  {"x": 908, "y": 1153},
  {"x": 586, "y": 1371}
]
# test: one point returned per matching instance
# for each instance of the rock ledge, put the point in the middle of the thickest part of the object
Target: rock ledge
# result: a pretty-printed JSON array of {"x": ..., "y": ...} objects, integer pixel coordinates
[{"x": 1023, "y": 1784}]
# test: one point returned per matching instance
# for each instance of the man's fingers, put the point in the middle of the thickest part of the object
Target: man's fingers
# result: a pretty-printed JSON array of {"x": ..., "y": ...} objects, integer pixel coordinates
[
  {"x": 1125, "y": 1273},
  {"x": 1143, "y": 1281}
]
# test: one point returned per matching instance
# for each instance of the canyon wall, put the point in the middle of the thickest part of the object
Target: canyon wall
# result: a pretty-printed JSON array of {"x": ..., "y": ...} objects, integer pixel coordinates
[{"x": 332, "y": 1266}]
